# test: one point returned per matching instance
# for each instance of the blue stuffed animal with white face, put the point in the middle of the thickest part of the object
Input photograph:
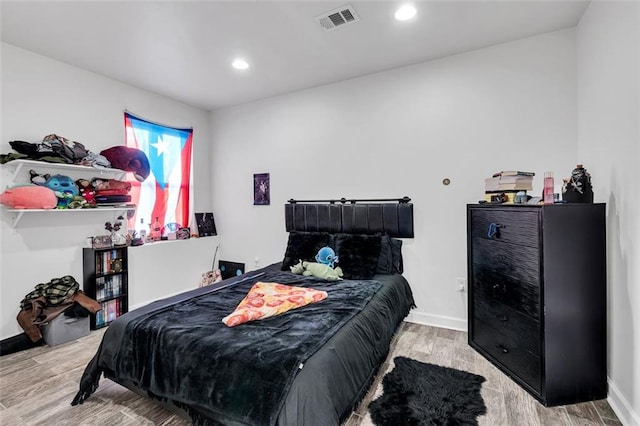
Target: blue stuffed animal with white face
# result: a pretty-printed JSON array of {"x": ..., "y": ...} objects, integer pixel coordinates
[
  {"x": 64, "y": 187},
  {"x": 326, "y": 256}
]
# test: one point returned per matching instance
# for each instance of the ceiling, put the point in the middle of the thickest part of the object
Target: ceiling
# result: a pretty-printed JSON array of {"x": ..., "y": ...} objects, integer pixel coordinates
[{"x": 184, "y": 49}]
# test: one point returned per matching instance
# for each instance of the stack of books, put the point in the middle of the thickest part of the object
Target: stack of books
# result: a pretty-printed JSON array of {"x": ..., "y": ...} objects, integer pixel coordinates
[{"x": 509, "y": 183}]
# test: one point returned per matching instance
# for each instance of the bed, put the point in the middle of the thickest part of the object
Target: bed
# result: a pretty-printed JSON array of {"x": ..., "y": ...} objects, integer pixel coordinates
[{"x": 308, "y": 366}]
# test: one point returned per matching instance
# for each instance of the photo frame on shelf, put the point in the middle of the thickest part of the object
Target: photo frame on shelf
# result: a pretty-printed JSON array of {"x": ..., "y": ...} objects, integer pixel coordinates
[
  {"x": 102, "y": 241},
  {"x": 183, "y": 233},
  {"x": 261, "y": 187},
  {"x": 206, "y": 224}
]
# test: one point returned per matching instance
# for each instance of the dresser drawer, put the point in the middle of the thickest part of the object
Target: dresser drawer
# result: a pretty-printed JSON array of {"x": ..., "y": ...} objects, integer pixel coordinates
[
  {"x": 516, "y": 328},
  {"x": 521, "y": 228},
  {"x": 507, "y": 273},
  {"x": 513, "y": 358}
]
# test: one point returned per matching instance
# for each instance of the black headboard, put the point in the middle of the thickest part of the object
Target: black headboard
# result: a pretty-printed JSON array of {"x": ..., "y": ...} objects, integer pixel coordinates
[{"x": 391, "y": 216}]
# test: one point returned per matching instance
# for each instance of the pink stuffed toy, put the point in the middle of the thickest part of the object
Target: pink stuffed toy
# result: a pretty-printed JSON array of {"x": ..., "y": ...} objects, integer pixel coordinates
[
  {"x": 29, "y": 197},
  {"x": 128, "y": 159}
]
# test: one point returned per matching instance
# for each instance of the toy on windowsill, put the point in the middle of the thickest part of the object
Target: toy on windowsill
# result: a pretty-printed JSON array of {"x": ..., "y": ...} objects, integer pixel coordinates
[{"x": 135, "y": 239}]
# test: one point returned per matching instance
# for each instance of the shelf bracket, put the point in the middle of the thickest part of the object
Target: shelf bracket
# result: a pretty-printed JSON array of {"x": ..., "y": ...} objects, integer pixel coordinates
[
  {"x": 16, "y": 218},
  {"x": 16, "y": 171}
]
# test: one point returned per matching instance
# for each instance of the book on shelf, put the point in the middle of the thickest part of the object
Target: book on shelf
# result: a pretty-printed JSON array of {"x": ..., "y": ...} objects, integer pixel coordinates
[
  {"x": 514, "y": 173},
  {"x": 515, "y": 179},
  {"x": 510, "y": 183},
  {"x": 516, "y": 186},
  {"x": 492, "y": 183}
]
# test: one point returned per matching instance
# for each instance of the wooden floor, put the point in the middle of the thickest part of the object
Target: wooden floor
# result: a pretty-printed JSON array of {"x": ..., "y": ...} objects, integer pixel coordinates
[{"x": 37, "y": 386}]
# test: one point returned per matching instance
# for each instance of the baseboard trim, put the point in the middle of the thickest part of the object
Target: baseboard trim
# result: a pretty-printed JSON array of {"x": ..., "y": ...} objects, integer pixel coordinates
[
  {"x": 621, "y": 406},
  {"x": 437, "y": 321},
  {"x": 17, "y": 343}
]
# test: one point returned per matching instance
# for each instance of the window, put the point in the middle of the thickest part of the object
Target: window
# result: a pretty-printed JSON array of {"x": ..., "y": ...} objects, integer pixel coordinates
[{"x": 166, "y": 193}]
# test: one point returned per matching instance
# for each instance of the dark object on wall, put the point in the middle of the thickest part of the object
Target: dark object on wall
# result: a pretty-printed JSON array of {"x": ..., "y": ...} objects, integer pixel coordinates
[
  {"x": 417, "y": 393},
  {"x": 206, "y": 224},
  {"x": 261, "y": 187},
  {"x": 230, "y": 269},
  {"x": 578, "y": 189},
  {"x": 391, "y": 216},
  {"x": 538, "y": 297}
]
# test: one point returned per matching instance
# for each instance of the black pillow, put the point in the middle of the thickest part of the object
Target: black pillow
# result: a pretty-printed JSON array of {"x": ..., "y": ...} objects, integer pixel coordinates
[
  {"x": 304, "y": 246},
  {"x": 396, "y": 253},
  {"x": 358, "y": 255},
  {"x": 385, "y": 260}
]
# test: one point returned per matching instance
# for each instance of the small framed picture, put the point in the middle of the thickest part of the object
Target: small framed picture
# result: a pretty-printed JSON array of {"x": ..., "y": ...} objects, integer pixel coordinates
[
  {"x": 230, "y": 269},
  {"x": 261, "y": 186},
  {"x": 183, "y": 234},
  {"x": 102, "y": 241},
  {"x": 206, "y": 225}
]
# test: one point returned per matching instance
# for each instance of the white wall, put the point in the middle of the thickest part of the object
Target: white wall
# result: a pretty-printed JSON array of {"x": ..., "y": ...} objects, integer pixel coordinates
[
  {"x": 511, "y": 106},
  {"x": 42, "y": 96},
  {"x": 608, "y": 64}
]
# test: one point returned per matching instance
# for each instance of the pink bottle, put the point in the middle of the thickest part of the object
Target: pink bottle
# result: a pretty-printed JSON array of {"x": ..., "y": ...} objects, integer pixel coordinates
[{"x": 547, "y": 193}]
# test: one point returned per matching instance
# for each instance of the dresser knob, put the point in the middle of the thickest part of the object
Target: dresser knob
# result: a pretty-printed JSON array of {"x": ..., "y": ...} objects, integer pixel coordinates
[
  {"x": 494, "y": 289},
  {"x": 502, "y": 349},
  {"x": 494, "y": 230}
]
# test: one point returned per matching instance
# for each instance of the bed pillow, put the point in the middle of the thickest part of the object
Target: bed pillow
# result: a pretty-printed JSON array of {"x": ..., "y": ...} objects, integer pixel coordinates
[
  {"x": 304, "y": 246},
  {"x": 396, "y": 254},
  {"x": 385, "y": 260},
  {"x": 358, "y": 255},
  {"x": 266, "y": 300}
]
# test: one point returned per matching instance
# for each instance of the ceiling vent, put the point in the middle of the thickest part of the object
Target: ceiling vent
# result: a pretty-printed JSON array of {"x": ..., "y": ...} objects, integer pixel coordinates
[{"x": 337, "y": 17}]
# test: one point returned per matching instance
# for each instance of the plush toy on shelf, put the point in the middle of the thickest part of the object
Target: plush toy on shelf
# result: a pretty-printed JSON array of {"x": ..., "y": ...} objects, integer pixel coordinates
[
  {"x": 63, "y": 186},
  {"x": 87, "y": 191},
  {"x": 29, "y": 197},
  {"x": 128, "y": 159}
]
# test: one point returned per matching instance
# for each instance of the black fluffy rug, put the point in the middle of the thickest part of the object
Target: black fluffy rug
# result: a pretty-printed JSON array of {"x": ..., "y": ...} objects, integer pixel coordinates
[{"x": 416, "y": 393}]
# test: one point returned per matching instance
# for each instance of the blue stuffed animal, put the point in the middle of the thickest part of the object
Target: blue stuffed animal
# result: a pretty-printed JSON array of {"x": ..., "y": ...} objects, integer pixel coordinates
[
  {"x": 326, "y": 256},
  {"x": 64, "y": 187}
]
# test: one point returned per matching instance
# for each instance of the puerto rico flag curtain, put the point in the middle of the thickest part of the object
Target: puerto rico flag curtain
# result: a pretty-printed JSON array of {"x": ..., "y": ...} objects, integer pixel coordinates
[{"x": 165, "y": 193}]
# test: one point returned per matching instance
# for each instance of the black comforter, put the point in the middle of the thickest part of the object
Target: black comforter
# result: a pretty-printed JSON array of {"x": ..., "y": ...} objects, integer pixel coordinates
[{"x": 179, "y": 349}]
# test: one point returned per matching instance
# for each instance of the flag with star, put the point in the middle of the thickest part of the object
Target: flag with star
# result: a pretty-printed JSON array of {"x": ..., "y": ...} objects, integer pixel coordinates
[{"x": 165, "y": 193}]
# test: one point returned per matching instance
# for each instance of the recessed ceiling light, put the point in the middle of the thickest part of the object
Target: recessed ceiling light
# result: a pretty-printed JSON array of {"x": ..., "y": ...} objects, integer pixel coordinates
[
  {"x": 405, "y": 12},
  {"x": 240, "y": 64}
]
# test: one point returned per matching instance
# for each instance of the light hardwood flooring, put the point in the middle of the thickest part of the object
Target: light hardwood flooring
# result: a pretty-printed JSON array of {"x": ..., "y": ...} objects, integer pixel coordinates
[{"x": 37, "y": 386}]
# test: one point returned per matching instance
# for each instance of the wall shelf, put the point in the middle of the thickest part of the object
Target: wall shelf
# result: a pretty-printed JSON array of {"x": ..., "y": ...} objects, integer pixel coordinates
[
  {"x": 19, "y": 174},
  {"x": 16, "y": 214},
  {"x": 19, "y": 166}
]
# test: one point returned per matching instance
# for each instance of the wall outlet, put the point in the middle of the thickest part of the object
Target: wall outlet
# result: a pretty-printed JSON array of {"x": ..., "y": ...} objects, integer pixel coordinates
[
  {"x": 256, "y": 261},
  {"x": 461, "y": 284}
]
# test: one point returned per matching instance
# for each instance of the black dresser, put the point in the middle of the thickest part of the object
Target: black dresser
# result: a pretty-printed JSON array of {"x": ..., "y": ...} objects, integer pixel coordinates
[{"x": 538, "y": 298}]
